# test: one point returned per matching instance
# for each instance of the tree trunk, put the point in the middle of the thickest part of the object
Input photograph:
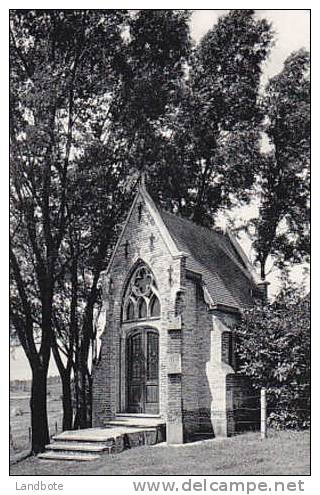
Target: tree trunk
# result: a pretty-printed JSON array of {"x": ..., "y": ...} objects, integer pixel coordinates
[
  {"x": 84, "y": 418},
  {"x": 89, "y": 408},
  {"x": 67, "y": 403},
  {"x": 38, "y": 405},
  {"x": 76, "y": 424},
  {"x": 83, "y": 411},
  {"x": 263, "y": 268}
]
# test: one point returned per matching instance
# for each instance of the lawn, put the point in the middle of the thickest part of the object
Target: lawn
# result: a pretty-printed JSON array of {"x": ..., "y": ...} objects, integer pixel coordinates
[
  {"x": 20, "y": 418},
  {"x": 282, "y": 453}
]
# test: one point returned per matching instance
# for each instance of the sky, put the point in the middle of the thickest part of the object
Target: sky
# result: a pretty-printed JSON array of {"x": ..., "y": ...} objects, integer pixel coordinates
[
  {"x": 291, "y": 27},
  {"x": 292, "y": 30}
]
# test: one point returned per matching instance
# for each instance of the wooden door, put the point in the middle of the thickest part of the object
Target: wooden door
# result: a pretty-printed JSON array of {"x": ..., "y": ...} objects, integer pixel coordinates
[{"x": 143, "y": 372}]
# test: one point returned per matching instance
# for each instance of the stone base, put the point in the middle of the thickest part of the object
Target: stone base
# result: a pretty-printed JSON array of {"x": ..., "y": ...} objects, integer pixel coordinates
[{"x": 174, "y": 433}]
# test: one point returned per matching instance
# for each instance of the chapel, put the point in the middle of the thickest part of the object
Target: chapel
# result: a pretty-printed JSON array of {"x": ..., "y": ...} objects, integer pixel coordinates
[{"x": 173, "y": 293}]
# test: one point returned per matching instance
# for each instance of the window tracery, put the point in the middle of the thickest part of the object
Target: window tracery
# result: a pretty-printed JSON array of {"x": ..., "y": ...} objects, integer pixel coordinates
[{"x": 141, "y": 300}]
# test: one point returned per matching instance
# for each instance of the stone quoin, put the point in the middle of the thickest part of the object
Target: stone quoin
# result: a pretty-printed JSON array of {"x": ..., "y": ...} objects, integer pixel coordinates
[{"x": 173, "y": 292}]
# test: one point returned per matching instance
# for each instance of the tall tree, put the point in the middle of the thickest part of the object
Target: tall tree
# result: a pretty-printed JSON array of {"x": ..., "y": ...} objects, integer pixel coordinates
[
  {"x": 156, "y": 45},
  {"x": 283, "y": 225},
  {"x": 60, "y": 61},
  {"x": 152, "y": 83},
  {"x": 87, "y": 68},
  {"x": 216, "y": 127},
  {"x": 100, "y": 195}
]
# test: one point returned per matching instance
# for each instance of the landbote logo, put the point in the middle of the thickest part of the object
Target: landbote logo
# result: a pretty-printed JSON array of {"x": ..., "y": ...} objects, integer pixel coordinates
[{"x": 39, "y": 486}]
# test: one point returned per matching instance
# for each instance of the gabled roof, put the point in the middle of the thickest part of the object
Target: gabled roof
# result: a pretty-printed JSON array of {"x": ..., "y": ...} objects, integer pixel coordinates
[
  {"x": 142, "y": 194},
  {"x": 226, "y": 273},
  {"x": 213, "y": 255}
]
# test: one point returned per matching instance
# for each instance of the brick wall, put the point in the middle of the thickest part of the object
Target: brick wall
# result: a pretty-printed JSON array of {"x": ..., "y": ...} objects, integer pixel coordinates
[
  {"x": 109, "y": 373},
  {"x": 197, "y": 398},
  {"x": 190, "y": 362}
]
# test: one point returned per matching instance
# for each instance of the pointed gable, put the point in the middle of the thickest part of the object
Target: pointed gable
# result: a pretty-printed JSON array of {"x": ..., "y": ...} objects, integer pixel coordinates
[
  {"x": 227, "y": 274},
  {"x": 143, "y": 199}
]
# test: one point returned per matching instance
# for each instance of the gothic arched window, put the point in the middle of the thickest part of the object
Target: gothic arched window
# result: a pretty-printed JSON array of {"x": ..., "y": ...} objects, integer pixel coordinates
[
  {"x": 142, "y": 308},
  {"x": 154, "y": 306},
  {"x": 141, "y": 300},
  {"x": 130, "y": 311}
]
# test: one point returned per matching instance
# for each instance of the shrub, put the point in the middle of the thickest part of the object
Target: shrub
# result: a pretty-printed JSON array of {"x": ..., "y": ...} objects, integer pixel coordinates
[{"x": 273, "y": 349}]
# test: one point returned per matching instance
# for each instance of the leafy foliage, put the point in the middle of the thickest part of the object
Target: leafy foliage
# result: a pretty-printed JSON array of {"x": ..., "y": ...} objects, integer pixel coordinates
[
  {"x": 273, "y": 345},
  {"x": 75, "y": 160},
  {"x": 96, "y": 98},
  {"x": 283, "y": 224},
  {"x": 221, "y": 115},
  {"x": 62, "y": 63}
]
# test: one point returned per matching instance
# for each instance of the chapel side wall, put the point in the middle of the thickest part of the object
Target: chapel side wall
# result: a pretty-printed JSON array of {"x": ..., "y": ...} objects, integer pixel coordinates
[
  {"x": 190, "y": 399},
  {"x": 214, "y": 396},
  {"x": 221, "y": 374},
  {"x": 233, "y": 406},
  {"x": 196, "y": 392},
  {"x": 109, "y": 381},
  {"x": 204, "y": 356}
]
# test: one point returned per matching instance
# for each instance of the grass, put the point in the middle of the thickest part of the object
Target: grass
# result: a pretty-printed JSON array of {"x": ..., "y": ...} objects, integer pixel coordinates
[
  {"x": 282, "y": 453},
  {"x": 20, "y": 418}
]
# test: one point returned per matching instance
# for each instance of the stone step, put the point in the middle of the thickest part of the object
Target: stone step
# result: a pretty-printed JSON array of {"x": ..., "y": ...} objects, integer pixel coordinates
[
  {"x": 137, "y": 424},
  {"x": 93, "y": 435},
  {"x": 136, "y": 421},
  {"x": 138, "y": 415},
  {"x": 78, "y": 447},
  {"x": 71, "y": 456},
  {"x": 83, "y": 439},
  {"x": 106, "y": 435},
  {"x": 92, "y": 443}
]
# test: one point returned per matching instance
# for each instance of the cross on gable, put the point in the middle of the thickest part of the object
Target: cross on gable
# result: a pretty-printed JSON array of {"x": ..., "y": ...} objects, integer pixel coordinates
[
  {"x": 152, "y": 239},
  {"x": 170, "y": 271},
  {"x": 140, "y": 208},
  {"x": 126, "y": 248}
]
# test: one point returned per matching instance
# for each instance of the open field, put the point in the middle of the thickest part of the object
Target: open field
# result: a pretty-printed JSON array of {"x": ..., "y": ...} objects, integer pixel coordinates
[
  {"x": 282, "y": 453},
  {"x": 20, "y": 414}
]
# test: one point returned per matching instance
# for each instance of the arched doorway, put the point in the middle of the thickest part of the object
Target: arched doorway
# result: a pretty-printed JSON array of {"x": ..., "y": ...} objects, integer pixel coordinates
[
  {"x": 141, "y": 311},
  {"x": 142, "y": 357}
]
